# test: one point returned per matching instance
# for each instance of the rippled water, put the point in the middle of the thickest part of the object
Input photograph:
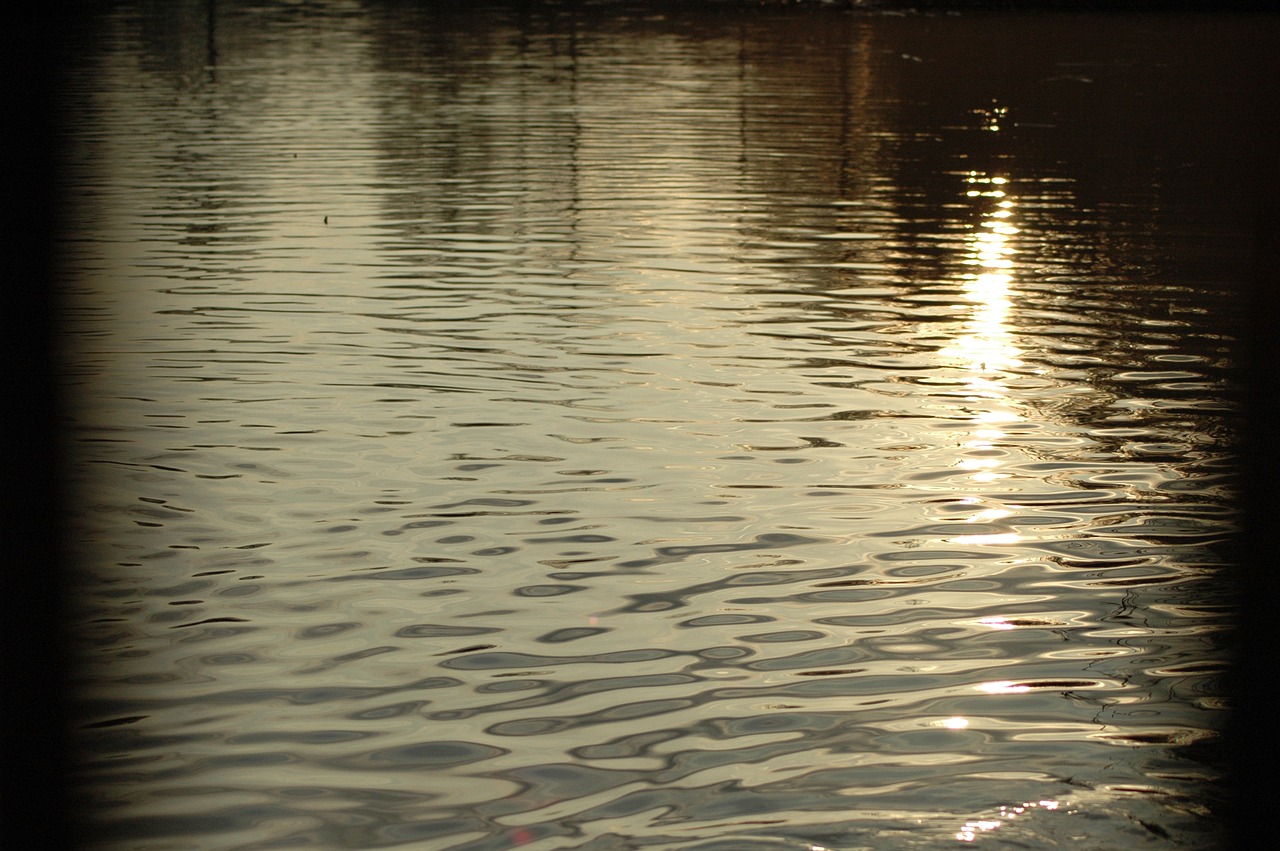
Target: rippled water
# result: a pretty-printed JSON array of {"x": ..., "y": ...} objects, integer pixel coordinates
[{"x": 602, "y": 426}]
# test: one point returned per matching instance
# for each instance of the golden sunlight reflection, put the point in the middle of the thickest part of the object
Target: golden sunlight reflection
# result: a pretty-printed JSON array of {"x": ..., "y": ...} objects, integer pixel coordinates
[
  {"x": 991, "y": 117},
  {"x": 974, "y": 827},
  {"x": 1002, "y": 687},
  {"x": 985, "y": 349},
  {"x": 1000, "y": 538},
  {"x": 986, "y": 515}
]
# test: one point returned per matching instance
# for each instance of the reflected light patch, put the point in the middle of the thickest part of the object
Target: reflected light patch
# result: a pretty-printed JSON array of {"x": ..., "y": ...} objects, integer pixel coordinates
[
  {"x": 956, "y": 723},
  {"x": 980, "y": 385},
  {"x": 976, "y": 177},
  {"x": 987, "y": 515},
  {"x": 972, "y": 828},
  {"x": 1002, "y": 687},
  {"x": 996, "y": 622},
  {"x": 985, "y": 345},
  {"x": 991, "y": 289},
  {"x": 996, "y": 237},
  {"x": 1001, "y": 538}
]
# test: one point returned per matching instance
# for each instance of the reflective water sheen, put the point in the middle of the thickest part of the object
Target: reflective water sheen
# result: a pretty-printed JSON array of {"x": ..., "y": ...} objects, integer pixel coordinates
[{"x": 598, "y": 426}]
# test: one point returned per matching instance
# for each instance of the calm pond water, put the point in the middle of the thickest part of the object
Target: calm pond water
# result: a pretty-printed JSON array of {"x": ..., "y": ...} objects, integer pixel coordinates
[{"x": 606, "y": 426}]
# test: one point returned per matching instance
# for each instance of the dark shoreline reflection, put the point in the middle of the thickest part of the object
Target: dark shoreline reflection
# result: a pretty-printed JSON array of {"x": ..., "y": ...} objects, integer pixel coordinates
[{"x": 602, "y": 424}]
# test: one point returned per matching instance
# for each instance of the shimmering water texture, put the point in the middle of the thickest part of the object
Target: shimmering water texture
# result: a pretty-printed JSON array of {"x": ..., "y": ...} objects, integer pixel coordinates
[{"x": 568, "y": 426}]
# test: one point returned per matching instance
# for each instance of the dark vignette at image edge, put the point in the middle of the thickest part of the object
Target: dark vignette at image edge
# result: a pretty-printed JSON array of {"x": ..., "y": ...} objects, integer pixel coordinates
[
  {"x": 1253, "y": 681},
  {"x": 36, "y": 751},
  {"x": 35, "y": 722}
]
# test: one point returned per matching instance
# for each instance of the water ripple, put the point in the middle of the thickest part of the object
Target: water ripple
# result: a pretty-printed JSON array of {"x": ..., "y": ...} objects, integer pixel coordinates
[{"x": 599, "y": 427}]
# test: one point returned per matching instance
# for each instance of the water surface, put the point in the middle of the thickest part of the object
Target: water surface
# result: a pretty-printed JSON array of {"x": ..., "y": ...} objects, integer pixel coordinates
[{"x": 601, "y": 426}]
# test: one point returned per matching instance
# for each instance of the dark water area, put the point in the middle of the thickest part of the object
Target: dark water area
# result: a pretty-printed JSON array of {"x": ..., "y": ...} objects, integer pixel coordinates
[{"x": 617, "y": 425}]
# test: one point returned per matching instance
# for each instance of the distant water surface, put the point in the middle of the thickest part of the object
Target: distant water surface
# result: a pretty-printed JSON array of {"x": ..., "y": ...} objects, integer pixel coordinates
[{"x": 601, "y": 426}]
